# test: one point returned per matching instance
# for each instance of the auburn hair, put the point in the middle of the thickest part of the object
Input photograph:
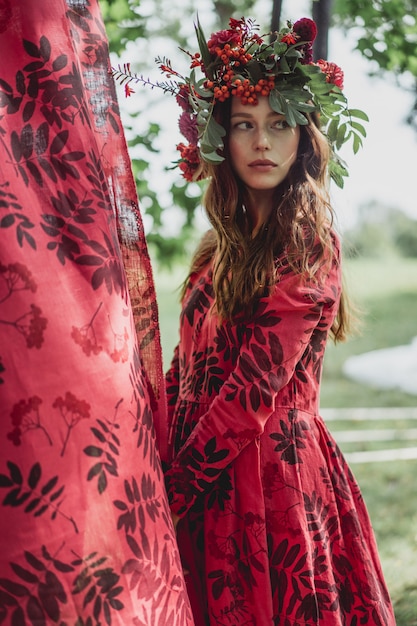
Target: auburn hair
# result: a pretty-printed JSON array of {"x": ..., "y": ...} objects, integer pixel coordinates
[{"x": 244, "y": 265}]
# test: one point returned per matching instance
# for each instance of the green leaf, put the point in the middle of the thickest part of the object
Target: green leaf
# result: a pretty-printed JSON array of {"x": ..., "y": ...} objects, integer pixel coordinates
[
  {"x": 359, "y": 114},
  {"x": 214, "y": 133},
  {"x": 284, "y": 65},
  {"x": 299, "y": 118},
  {"x": 331, "y": 131},
  {"x": 290, "y": 117},
  {"x": 202, "y": 118},
  {"x": 359, "y": 128},
  {"x": 277, "y": 102},
  {"x": 198, "y": 86},
  {"x": 293, "y": 53},
  {"x": 253, "y": 68},
  {"x": 357, "y": 143},
  {"x": 341, "y": 135},
  {"x": 212, "y": 157},
  {"x": 338, "y": 170},
  {"x": 306, "y": 107},
  {"x": 202, "y": 44},
  {"x": 279, "y": 48}
]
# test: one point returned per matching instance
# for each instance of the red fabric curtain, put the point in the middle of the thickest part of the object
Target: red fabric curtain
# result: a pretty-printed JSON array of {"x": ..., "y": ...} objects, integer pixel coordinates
[{"x": 85, "y": 531}]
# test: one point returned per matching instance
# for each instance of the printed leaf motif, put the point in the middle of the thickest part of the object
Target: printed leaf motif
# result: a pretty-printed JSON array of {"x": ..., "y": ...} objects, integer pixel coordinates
[
  {"x": 34, "y": 476},
  {"x": 261, "y": 358},
  {"x": 276, "y": 348},
  {"x": 107, "y": 452},
  {"x": 31, "y": 49},
  {"x": 37, "y": 500}
]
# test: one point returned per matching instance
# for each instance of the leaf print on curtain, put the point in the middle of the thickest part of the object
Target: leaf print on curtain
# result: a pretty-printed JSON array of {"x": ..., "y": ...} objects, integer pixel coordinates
[{"x": 86, "y": 537}]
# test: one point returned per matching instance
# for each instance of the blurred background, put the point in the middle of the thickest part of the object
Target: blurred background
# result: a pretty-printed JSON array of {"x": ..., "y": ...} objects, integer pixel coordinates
[{"x": 369, "y": 392}]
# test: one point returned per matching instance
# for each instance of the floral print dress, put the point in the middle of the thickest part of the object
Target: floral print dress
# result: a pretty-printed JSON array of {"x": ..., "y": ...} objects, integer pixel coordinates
[{"x": 274, "y": 529}]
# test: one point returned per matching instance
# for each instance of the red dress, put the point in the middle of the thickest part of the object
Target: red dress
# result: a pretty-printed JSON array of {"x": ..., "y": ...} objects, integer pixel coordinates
[
  {"x": 86, "y": 537},
  {"x": 274, "y": 528}
]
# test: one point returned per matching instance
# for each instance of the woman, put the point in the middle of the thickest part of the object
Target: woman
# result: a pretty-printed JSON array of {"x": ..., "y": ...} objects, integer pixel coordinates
[{"x": 271, "y": 524}]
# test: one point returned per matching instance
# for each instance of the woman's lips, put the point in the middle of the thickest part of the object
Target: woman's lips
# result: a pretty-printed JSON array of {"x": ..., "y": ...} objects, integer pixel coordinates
[{"x": 262, "y": 164}]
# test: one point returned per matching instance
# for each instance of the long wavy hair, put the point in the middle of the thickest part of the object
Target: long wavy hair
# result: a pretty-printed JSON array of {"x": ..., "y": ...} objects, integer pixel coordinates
[{"x": 245, "y": 265}]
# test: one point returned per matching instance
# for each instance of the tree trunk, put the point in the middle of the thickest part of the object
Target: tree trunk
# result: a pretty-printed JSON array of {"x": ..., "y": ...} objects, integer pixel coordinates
[
  {"x": 276, "y": 17},
  {"x": 225, "y": 9},
  {"x": 321, "y": 11}
]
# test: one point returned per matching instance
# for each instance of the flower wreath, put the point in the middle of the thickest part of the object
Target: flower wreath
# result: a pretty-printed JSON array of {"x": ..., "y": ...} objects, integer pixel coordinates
[{"x": 237, "y": 62}]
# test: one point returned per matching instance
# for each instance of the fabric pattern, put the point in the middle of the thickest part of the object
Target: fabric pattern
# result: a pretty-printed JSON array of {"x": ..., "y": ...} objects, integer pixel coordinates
[
  {"x": 274, "y": 529},
  {"x": 86, "y": 536}
]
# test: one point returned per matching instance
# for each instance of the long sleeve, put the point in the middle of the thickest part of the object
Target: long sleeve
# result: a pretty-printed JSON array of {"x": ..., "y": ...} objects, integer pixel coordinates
[{"x": 274, "y": 343}]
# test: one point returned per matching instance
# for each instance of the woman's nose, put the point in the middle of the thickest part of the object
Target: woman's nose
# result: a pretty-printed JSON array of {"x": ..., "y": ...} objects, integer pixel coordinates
[{"x": 262, "y": 140}]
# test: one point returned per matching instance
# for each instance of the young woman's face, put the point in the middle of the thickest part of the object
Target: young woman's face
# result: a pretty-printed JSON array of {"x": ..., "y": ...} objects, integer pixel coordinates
[{"x": 262, "y": 146}]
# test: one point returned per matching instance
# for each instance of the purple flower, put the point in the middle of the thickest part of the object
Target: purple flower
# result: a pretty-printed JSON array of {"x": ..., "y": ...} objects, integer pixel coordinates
[{"x": 188, "y": 127}]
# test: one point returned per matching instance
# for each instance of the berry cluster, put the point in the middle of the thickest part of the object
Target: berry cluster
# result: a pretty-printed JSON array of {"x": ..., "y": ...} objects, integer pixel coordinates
[
  {"x": 243, "y": 89},
  {"x": 233, "y": 58},
  {"x": 248, "y": 93},
  {"x": 229, "y": 55}
]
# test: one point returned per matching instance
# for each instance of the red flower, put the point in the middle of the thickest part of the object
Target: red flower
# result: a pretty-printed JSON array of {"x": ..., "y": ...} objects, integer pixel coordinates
[
  {"x": 306, "y": 29},
  {"x": 223, "y": 37},
  {"x": 334, "y": 74},
  {"x": 289, "y": 39},
  {"x": 167, "y": 68},
  {"x": 128, "y": 90},
  {"x": 190, "y": 161},
  {"x": 237, "y": 24}
]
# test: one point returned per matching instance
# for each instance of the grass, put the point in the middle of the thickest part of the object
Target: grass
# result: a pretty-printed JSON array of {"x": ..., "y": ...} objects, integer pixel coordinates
[
  {"x": 386, "y": 293},
  {"x": 389, "y": 490}
]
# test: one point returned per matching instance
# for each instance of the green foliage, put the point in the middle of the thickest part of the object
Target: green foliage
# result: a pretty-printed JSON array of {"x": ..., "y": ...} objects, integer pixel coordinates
[
  {"x": 388, "y": 31},
  {"x": 166, "y": 248},
  {"x": 387, "y": 35},
  {"x": 210, "y": 132},
  {"x": 370, "y": 240},
  {"x": 382, "y": 232},
  {"x": 406, "y": 606},
  {"x": 405, "y": 234},
  {"x": 390, "y": 495},
  {"x": 122, "y": 22},
  {"x": 384, "y": 291}
]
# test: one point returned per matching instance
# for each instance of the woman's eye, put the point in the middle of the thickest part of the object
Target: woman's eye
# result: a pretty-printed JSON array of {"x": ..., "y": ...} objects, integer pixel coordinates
[
  {"x": 281, "y": 124},
  {"x": 243, "y": 125}
]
